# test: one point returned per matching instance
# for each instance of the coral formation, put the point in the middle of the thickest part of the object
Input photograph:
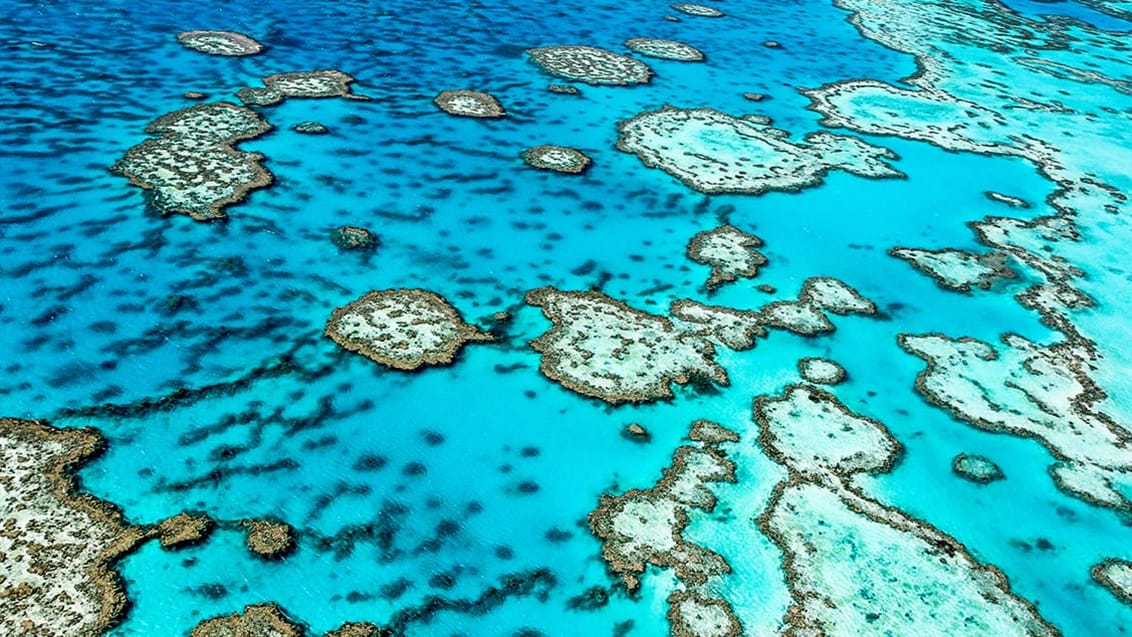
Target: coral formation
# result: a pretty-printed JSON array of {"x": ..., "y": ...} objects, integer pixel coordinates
[
  {"x": 403, "y": 329},
  {"x": 59, "y": 545},
  {"x": 310, "y": 128},
  {"x": 184, "y": 529},
  {"x": 958, "y": 270},
  {"x": 1045, "y": 396},
  {"x": 643, "y": 527},
  {"x": 305, "y": 84},
  {"x": 258, "y": 620},
  {"x": 1116, "y": 576},
  {"x": 354, "y": 238},
  {"x": 821, "y": 371},
  {"x": 714, "y": 153},
  {"x": 730, "y": 252},
  {"x": 465, "y": 103},
  {"x": 268, "y": 538},
  {"x": 853, "y": 565},
  {"x": 603, "y": 348},
  {"x": 190, "y": 165},
  {"x": 227, "y": 43},
  {"x": 698, "y": 10},
  {"x": 976, "y": 468},
  {"x": 557, "y": 158},
  {"x": 591, "y": 65},
  {"x": 665, "y": 49}
]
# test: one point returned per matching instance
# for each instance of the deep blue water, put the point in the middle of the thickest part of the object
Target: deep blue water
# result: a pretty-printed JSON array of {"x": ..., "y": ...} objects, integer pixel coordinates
[{"x": 85, "y": 269}]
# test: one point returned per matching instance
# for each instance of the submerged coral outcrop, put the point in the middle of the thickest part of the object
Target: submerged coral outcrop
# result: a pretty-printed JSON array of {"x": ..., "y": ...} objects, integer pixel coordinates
[
  {"x": 590, "y": 65},
  {"x": 225, "y": 43},
  {"x": 557, "y": 158},
  {"x": 404, "y": 329},
  {"x": 665, "y": 49},
  {"x": 302, "y": 84},
  {"x": 467, "y": 103},
  {"x": 855, "y": 566},
  {"x": 713, "y": 152},
  {"x": 730, "y": 252},
  {"x": 59, "y": 545},
  {"x": 644, "y": 527},
  {"x": 958, "y": 270},
  {"x": 191, "y": 166},
  {"x": 603, "y": 348}
]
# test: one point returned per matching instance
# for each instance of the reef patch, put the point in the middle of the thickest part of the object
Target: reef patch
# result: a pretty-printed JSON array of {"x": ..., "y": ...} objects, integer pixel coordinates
[
  {"x": 59, "y": 545},
  {"x": 853, "y": 565},
  {"x": 730, "y": 252},
  {"x": 1045, "y": 395},
  {"x": 465, "y": 103},
  {"x": 713, "y": 152},
  {"x": 976, "y": 468},
  {"x": 821, "y": 371},
  {"x": 303, "y": 84},
  {"x": 603, "y": 348},
  {"x": 557, "y": 158},
  {"x": 665, "y": 49},
  {"x": 191, "y": 167},
  {"x": 404, "y": 329},
  {"x": 1116, "y": 576},
  {"x": 226, "y": 43},
  {"x": 591, "y": 65},
  {"x": 700, "y": 10},
  {"x": 643, "y": 527},
  {"x": 958, "y": 270}
]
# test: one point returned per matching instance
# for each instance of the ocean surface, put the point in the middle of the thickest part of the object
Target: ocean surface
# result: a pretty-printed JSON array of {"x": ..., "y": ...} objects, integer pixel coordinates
[{"x": 197, "y": 347}]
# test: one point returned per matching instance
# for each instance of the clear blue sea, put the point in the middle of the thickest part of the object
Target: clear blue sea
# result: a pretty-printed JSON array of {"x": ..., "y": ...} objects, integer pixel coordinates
[{"x": 235, "y": 404}]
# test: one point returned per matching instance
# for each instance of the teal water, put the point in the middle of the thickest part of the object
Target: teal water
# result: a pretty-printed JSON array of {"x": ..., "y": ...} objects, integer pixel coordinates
[{"x": 87, "y": 273}]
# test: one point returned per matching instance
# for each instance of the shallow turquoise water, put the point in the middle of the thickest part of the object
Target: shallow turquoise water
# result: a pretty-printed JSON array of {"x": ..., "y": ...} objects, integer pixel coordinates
[{"x": 86, "y": 269}]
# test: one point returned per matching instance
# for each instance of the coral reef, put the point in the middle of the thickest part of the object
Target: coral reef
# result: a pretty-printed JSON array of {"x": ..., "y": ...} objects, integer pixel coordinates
[
  {"x": 853, "y": 565},
  {"x": 644, "y": 527},
  {"x": 269, "y": 538},
  {"x": 714, "y": 153},
  {"x": 821, "y": 371},
  {"x": 304, "y": 84},
  {"x": 258, "y": 620},
  {"x": 665, "y": 49},
  {"x": 404, "y": 329},
  {"x": 184, "y": 529},
  {"x": 730, "y": 252},
  {"x": 557, "y": 158},
  {"x": 1116, "y": 576},
  {"x": 354, "y": 238},
  {"x": 58, "y": 545},
  {"x": 1045, "y": 396},
  {"x": 465, "y": 103},
  {"x": 227, "y": 43},
  {"x": 958, "y": 270},
  {"x": 603, "y": 348},
  {"x": 591, "y": 65},
  {"x": 190, "y": 165},
  {"x": 698, "y": 10},
  {"x": 310, "y": 128},
  {"x": 976, "y": 468}
]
